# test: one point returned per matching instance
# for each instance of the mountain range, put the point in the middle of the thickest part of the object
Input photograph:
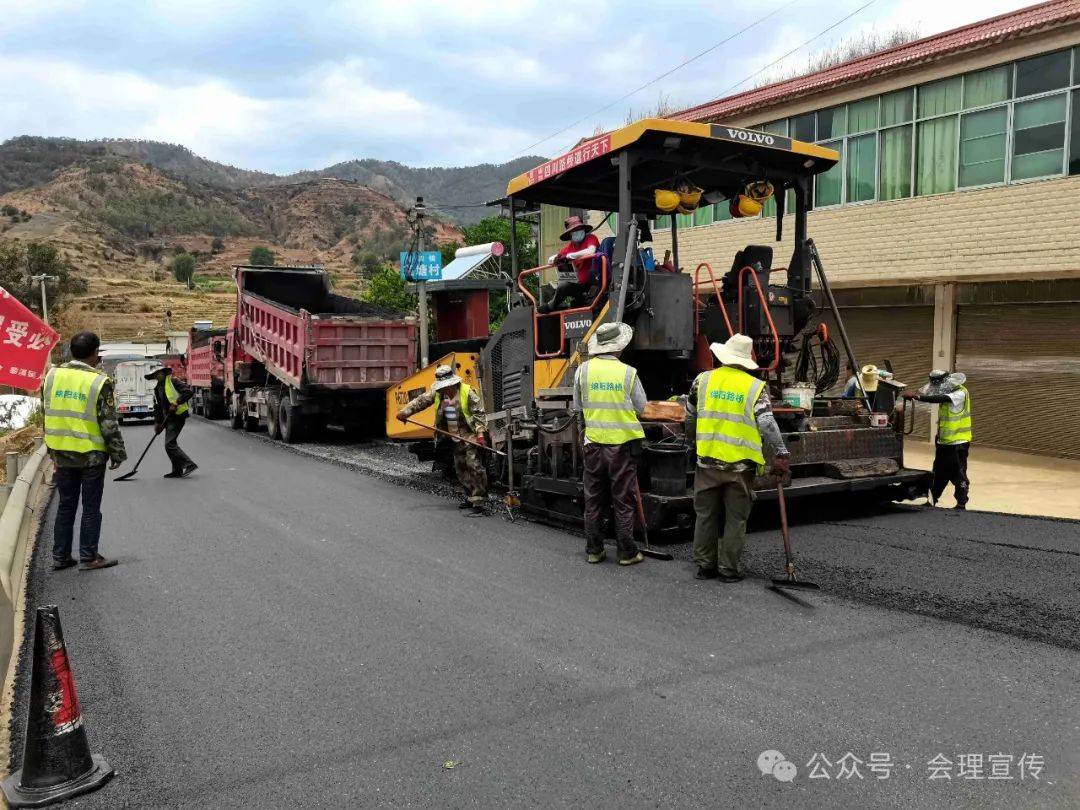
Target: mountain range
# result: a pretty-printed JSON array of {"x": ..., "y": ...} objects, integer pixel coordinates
[
  {"x": 119, "y": 210},
  {"x": 456, "y": 194}
]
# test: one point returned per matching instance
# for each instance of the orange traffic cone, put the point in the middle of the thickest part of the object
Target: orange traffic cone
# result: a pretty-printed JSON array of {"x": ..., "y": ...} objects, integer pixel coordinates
[{"x": 57, "y": 763}]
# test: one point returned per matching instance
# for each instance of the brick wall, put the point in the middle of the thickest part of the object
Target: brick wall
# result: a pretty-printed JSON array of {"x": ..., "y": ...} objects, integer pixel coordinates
[{"x": 1028, "y": 230}]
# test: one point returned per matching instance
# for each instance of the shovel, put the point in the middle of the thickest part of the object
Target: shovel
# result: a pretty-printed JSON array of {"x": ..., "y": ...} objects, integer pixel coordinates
[
  {"x": 791, "y": 581},
  {"x": 648, "y": 551},
  {"x": 128, "y": 476}
]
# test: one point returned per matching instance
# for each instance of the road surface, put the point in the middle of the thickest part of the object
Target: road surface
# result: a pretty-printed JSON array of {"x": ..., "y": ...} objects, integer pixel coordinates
[{"x": 283, "y": 631}]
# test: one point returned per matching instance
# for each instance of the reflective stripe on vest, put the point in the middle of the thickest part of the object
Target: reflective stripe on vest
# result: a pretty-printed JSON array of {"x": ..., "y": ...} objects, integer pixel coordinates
[
  {"x": 463, "y": 404},
  {"x": 726, "y": 427},
  {"x": 606, "y": 386},
  {"x": 70, "y": 396},
  {"x": 954, "y": 428},
  {"x": 173, "y": 395}
]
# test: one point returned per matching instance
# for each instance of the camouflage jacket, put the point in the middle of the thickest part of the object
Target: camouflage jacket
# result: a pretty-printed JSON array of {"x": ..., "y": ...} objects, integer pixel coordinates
[
  {"x": 427, "y": 399},
  {"x": 110, "y": 431}
]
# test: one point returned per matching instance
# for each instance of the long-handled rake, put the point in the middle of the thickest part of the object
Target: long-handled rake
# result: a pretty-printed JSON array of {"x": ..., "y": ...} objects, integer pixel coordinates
[
  {"x": 648, "y": 551},
  {"x": 129, "y": 475},
  {"x": 791, "y": 580}
]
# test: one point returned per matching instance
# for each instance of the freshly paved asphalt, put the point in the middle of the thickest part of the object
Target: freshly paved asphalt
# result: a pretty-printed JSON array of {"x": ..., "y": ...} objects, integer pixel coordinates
[{"x": 286, "y": 632}]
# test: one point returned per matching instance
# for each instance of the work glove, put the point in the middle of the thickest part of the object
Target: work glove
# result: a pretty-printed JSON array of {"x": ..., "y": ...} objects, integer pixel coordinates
[
  {"x": 909, "y": 395},
  {"x": 172, "y": 407},
  {"x": 158, "y": 427},
  {"x": 401, "y": 417},
  {"x": 552, "y": 258},
  {"x": 780, "y": 468},
  {"x": 480, "y": 440},
  {"x": 114, "y": 464}
]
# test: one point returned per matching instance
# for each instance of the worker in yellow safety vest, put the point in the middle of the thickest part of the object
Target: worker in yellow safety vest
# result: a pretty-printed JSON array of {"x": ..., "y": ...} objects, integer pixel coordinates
[
  {"x": 459, "y": 412},
  {"x": 609, "y": 396},
  {"x": 82, "y": 433},
  {"x": 953, "y": 401},
  {"x": 170, "y": 414},
  {"x": 729, "y": 419}
]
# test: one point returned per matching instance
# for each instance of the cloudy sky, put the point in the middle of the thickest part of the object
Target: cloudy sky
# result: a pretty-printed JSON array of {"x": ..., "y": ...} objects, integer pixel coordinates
[{"x": 282, "y": 86}]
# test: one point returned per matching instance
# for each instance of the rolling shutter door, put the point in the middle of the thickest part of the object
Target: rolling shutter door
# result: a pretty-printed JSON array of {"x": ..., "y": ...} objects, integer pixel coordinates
[
  {"x": 1023, "y": 367},
  {"x": 902, "y": 335}
]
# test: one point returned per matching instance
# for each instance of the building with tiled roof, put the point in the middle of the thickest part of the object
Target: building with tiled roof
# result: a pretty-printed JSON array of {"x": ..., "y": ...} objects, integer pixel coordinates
[{"x": 951, "y": 226}]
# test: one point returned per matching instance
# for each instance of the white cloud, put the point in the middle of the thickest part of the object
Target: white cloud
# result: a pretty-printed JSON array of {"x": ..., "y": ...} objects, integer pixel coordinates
[{"x": 339, "y": 105}]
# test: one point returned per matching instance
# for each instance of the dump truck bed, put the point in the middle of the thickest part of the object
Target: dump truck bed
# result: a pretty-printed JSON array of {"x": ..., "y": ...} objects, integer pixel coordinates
[
  {"x": 204, "y": 367},
  {"x": 310, "y": 338}
]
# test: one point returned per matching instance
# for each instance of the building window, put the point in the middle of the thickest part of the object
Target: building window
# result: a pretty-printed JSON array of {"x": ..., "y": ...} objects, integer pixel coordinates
[
  {"x": 1041, "y": 74},
  {"x": 830, "y": 184},
  {"x": 894, "y": 180},
  {"x": 1074, "y": 151},
  {"x": 802, "y": 128},
  {"x": 863, "y": 115},
  {"x": 831, "y": 123},
  {"x": 940, "y": 98},
  {"x": 935, "y": 159},
  {"x": 1039, "y": 137},
  {"x": 896, "y": 107},
  {"x": 982, "y": 147},
  {"x": 861, "y": 168},
  {"x": 703, "y": 215},
  {"x": 985, "y": 87},
  {"x": 1013, "y": 122}
]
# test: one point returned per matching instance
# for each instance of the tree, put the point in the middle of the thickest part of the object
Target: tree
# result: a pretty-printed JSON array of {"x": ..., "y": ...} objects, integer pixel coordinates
[
  {"x": 18, "y": 262},
  {"x": 367, "y": 263},
  {"x": 497, "y": 229},
  {"x": 217, "y": 245},
  {"x": 448, "y": 249},
  {"x": 388, "y": 289},
  {"x": 183, "y": 269},
  {"x": 261, "y": 256}
]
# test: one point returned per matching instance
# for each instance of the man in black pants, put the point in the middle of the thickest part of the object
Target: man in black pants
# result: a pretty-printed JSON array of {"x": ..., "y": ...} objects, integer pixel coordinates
[
  {"x": 954, "y": 433},
  {"x": 82, "y": 433},
  {"x": 170, "y": 414}
]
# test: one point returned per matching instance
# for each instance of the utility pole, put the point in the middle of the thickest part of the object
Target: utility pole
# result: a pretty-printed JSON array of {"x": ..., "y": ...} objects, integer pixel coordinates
[
  {"x": 41, "y": 279},
  {"x": 416, "y": 219}
]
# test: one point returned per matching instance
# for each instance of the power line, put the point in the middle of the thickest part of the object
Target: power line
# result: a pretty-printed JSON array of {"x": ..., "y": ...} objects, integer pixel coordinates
[
  {"x": 661, "y": 77},
  {"x": 841, "y": 21}
]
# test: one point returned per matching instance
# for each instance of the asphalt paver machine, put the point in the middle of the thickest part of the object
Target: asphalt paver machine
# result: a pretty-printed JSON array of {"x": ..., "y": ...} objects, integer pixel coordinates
[{"x": 527, "y": 366}]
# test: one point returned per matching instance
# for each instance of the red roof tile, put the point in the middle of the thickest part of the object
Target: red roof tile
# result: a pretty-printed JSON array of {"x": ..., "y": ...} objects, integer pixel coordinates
[{"x": 969, "y": 37}]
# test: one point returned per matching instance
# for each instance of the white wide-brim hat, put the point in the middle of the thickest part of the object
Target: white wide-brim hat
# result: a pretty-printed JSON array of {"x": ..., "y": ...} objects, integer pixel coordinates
[
  {"x": 611, "y": 338},
  {"x": 737, "y": 350},
  {"x": 444, "y": 378}
]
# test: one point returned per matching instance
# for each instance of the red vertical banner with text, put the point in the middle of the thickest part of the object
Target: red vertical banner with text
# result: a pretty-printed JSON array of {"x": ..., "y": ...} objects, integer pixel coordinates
[{"x": 25, "y": 344}]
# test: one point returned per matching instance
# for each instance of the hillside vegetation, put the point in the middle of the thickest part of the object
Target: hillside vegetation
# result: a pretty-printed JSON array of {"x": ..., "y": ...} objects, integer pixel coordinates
[
  {"x": 30, "y": 161},
  {"x": 118, "y": 224}
]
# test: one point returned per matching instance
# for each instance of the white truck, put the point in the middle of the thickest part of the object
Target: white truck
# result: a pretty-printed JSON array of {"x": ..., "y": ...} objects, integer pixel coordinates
[{"x": 134, "y": 393}]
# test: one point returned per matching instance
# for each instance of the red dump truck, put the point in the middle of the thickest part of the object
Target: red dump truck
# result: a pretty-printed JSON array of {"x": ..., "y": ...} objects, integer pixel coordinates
[
  {"x": 206, "y": 371},
  {"x": 302, "y": 357}
]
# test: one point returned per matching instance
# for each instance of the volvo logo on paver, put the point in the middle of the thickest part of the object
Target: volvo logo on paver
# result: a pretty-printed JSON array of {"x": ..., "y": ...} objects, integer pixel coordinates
[
  {"x": 749, "y": 136},
  {"x": 576, "y": 327}
]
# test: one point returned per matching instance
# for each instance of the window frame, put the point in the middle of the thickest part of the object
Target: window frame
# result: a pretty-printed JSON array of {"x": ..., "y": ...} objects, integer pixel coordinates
[{"x": 1071, "y": 91}]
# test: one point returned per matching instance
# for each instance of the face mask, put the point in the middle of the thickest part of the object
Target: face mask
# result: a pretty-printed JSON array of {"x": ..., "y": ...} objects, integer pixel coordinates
[{"x": 577, "y": 236}]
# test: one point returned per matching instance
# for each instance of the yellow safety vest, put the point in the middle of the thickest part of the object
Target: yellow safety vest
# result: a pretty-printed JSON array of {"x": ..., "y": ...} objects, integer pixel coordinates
[
  {"x": 463, "y": 398},
  {"x": 726, "y": 427},
  {"x": 954, "y": 428},
  {"x": 606, "y": 386},
  {"x": 172, "y": 395},
  {"x": 71, "y": 396}
]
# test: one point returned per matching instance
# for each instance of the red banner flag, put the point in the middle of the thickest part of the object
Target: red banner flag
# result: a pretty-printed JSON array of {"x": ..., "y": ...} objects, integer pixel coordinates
[{"x": 25, "y": 344}]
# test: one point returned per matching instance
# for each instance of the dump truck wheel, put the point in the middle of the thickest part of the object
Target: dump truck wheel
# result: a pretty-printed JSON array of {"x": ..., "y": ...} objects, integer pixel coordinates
[
  {"x": 290, "y": 423},
  {"x": 273, "y": 406}
]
